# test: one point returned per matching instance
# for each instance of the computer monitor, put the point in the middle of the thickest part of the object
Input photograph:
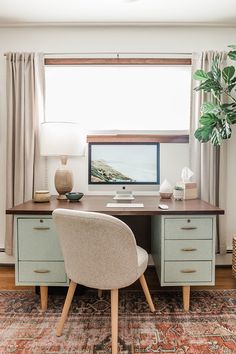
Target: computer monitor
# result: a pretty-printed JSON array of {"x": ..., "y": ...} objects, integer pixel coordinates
[{"x": 124, "y": 166}]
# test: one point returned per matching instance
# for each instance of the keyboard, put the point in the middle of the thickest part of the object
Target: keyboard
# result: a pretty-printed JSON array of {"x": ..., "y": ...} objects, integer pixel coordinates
[{"x": 125, "y": 205}]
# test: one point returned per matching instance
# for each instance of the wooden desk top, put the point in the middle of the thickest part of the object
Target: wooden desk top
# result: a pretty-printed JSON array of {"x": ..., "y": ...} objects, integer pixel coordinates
[{"x": 98, "y": 204}]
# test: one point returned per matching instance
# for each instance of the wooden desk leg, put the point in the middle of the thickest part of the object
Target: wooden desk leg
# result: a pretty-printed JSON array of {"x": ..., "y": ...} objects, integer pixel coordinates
[
  {"x": 186, "y": 297},
  {"x": 44, "y": 297},
  {"x": 114, "y": 320}
]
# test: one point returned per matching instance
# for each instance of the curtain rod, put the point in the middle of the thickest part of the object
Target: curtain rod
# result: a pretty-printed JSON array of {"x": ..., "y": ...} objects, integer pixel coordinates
[{"x": 116, "y": 53}]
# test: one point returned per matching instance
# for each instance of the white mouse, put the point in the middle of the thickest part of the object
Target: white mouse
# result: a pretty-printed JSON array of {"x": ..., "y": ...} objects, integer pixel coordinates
[{"x": 163, "y": 206}]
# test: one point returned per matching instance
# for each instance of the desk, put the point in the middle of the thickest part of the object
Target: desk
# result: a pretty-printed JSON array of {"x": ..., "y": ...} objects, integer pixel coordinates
[{"x": 180, "y": 239}]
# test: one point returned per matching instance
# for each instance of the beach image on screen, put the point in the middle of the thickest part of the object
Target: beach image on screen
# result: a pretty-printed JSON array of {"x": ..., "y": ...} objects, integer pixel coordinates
[{"x": 123, "y": 163}]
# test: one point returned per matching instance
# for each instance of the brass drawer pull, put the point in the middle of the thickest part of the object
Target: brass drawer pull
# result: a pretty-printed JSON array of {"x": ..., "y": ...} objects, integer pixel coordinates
[
  {"x": 189, "y": 249},
  {"x": 188, "y": 271},
  {"x": 189, "y": 228},
  {"x": 42, "y": 228},
  {"x": 41, "y": 271}
]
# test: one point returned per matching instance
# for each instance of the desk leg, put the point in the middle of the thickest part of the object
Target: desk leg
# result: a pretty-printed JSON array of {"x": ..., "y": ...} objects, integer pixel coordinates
[
  {"x": 114, "y": 320},
  {"x": 44, "y": 297},
  {"x": 186, "y": 297}
]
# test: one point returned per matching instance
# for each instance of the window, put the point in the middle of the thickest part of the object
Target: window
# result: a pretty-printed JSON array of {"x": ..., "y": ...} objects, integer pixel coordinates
[{"x": 120, "y": 97}]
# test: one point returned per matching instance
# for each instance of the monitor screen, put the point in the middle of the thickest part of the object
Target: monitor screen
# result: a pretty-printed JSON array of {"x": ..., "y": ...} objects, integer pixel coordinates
[{"x": 124, "y": 163}]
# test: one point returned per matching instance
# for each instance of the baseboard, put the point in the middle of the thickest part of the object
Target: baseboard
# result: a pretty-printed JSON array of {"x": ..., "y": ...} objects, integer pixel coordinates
[
  {"x": 5, "y": 259},
  {"x": 224, "y": 260}
]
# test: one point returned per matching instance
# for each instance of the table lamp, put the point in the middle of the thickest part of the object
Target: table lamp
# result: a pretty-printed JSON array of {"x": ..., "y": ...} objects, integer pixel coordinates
[{"x": 61, "y": 139}]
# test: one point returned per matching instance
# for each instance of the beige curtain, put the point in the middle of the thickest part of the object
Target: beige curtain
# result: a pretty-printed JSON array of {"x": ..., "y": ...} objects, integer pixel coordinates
[
  {"x": 25, "y": 106},
  {"x": 208, "y": 162}
]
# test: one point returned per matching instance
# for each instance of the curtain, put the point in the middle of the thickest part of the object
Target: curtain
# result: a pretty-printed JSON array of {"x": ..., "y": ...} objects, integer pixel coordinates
[
  {"x": 26, "y": 170},
  {"x": 208, "y": 162}
]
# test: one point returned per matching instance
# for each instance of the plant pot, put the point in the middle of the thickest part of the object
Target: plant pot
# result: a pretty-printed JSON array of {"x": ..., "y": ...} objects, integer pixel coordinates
[{"x": 178, "y": 194}]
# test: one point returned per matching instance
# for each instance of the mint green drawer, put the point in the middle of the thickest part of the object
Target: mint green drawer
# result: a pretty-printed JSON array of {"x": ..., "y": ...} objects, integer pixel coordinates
[
  {"x": 37, "y": 240},
  {"x": 187, "y": 250},
  {"x": 188, "y": 228},
  {"x": 41, "y": 272},
  {"x": 188, "y": 272}
]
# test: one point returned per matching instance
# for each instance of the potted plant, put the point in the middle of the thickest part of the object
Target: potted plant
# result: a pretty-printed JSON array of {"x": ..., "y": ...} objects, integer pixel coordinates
[
  {"x": 219, "y": 114},
  {"x": 178, "y": 193}
]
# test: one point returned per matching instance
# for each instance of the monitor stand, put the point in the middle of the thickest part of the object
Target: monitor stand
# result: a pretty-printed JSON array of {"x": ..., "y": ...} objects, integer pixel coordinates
[{"x": 122, "y": 196}]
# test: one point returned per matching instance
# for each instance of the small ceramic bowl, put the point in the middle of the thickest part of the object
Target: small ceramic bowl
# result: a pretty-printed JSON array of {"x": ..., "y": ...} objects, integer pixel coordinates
[
  {"x": 165, "y": 195},
  {"x": 74, "y": 196}
]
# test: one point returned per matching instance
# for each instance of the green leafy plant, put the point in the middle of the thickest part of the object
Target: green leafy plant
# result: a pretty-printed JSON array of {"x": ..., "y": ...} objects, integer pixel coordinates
[
  {"x": 178, "y": 188},
  {"x": 218, "y": 115}
]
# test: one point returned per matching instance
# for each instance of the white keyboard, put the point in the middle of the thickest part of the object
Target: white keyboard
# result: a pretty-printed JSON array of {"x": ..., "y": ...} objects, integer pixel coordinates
[{"x": 125, "y": 205}]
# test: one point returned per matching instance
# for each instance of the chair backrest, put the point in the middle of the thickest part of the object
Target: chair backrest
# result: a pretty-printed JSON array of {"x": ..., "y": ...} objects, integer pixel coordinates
[{"x": 99, "y": 250}]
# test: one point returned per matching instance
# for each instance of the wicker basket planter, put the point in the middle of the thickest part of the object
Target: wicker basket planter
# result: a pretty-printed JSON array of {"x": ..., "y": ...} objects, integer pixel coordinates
[{"x": 234, "y": 257}]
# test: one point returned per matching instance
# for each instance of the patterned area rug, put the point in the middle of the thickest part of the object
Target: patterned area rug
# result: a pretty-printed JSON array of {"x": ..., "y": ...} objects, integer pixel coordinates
[{"x": 209, "y": 326}]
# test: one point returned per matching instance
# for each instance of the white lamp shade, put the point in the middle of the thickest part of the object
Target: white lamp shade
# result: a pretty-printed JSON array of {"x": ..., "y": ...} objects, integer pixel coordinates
[{"x": 61, "y": 139}]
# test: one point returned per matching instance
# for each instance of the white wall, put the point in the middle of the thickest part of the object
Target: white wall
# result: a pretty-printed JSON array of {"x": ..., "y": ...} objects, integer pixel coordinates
[
  {"x": 173, "y": 157},
  {"x": 113, "y": 39}
]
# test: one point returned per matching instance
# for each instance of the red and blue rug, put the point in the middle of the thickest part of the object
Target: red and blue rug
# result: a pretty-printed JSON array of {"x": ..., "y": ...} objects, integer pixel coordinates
[{"x": 209, "y": 327}]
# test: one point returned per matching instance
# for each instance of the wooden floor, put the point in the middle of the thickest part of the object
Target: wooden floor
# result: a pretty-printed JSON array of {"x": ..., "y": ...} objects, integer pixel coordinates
[{"x": 224, "y": 280}]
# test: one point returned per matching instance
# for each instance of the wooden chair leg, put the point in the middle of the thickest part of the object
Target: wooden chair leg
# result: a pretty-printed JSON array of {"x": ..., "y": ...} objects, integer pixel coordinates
[
  {"x": 44, "y": 297},
  {"x": 186, "y": 297},
  {"x": 147, "y": 293},
  {"x": 99, "y": 293},
  {"x": 114, "y": 320},
  {"x": 66, "y": 307}
]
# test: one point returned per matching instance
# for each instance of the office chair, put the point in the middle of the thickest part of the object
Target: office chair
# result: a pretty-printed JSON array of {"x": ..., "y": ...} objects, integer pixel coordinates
[{"x": 100, "y": 252}]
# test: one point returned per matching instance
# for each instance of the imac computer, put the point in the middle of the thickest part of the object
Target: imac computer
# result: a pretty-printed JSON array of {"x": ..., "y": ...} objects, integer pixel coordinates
[{"x": 124, "y": 168}]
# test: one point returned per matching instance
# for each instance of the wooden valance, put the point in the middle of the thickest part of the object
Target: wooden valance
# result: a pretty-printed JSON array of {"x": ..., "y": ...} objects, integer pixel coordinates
[
  {"x": 139, "y": 138},
  {"x": 117, "y": 61}
]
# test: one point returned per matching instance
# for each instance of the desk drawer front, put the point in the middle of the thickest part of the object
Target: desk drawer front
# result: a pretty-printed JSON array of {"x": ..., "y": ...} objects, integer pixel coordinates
[
  {"x": 186, "y": 250},
  {"x": 42, "y": 272},
  {"x": 188, "y": 272},
  {"x": 188, "y": 228},
  {"x": 37, "y": 240}
]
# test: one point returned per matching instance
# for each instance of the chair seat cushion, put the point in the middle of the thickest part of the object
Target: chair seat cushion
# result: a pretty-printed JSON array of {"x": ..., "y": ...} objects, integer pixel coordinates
[{"x": 142, "y": 260}]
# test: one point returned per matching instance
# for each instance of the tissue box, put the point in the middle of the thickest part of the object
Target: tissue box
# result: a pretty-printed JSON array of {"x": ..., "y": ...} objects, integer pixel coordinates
[{"x": 190, "y": 189}]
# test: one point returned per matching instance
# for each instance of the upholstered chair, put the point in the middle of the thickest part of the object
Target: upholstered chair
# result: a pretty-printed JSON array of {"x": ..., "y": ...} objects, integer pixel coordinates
[{"x": 100, "y": 252}]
